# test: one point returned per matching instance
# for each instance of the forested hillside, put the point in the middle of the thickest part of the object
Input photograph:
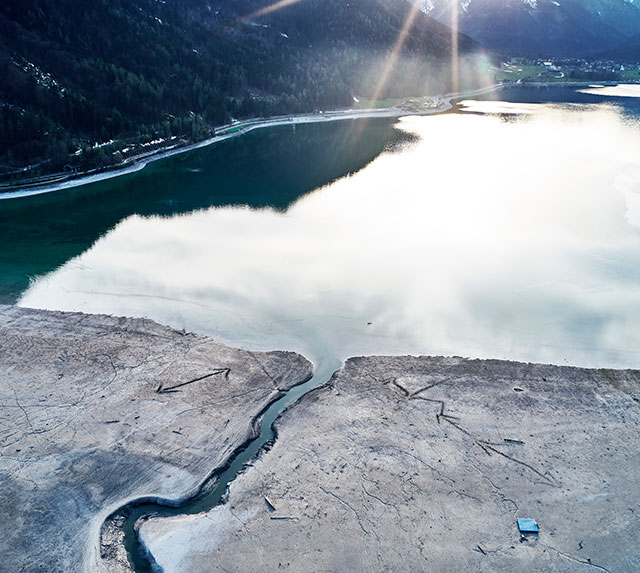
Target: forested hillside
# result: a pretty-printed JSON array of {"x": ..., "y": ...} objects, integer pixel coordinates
[
  {"x": 76, "y": 72},
  {"x": 627, "y": 51}
]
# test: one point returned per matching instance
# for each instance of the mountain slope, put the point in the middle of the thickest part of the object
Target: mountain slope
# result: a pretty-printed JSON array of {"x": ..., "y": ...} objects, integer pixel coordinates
[
  {"x": 627, "y": 51},
  {"x": 542, "y": 27},
  {"x": 76, "y": 72}
]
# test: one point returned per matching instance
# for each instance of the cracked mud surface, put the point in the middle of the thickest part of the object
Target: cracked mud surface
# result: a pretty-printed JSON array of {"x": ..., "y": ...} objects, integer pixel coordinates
[
  {"x": 97, "y": 410},
  {"x": 405, "y": 463}
]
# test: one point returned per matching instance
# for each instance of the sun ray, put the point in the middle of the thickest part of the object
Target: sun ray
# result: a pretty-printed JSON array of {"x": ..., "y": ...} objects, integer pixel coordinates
[
  {"x": 268, "y": 9},
  {"x": 395, "y": 52},
  {"x": 455, "y": 77}
]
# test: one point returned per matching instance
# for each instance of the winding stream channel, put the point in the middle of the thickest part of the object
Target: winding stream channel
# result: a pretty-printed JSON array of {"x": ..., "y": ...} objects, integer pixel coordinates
[{"x": 208, "y": 497}]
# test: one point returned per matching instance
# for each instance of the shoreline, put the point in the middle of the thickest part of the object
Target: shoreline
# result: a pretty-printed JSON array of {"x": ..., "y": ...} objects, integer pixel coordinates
[
  {"x": 241, "y": 128},
  {"x": 141, "y": 162},
  {"x": 445, "y": 103}
]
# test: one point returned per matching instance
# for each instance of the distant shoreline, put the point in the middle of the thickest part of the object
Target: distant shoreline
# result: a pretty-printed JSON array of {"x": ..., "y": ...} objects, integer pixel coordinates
[
  {"x": 445, "y": 103},
  {"x": 242, "y": 128}
]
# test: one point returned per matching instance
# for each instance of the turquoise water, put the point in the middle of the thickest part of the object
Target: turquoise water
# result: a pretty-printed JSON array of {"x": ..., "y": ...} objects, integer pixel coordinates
[{"x": 263, "y": 169}]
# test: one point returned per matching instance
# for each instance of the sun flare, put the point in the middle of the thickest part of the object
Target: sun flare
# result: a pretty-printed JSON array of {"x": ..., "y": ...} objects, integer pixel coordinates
[
  {"x": 395, "y": 52},
  {"x": 269, "y": 9}
]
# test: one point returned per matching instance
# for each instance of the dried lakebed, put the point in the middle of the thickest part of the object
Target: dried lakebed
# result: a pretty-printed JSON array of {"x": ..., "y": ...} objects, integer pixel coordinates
[
  {"x": 98, "y": 411},
  {"x": 398, "y": 463},
  {"x": 415, "y": 464}
]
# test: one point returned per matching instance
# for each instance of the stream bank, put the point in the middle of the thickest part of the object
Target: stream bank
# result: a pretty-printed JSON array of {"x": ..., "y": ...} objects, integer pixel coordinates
[{"x": 123, "y": 525}]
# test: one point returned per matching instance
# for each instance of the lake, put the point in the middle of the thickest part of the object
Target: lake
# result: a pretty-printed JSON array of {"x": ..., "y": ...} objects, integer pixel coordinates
[{"x": 509, "y": 229}]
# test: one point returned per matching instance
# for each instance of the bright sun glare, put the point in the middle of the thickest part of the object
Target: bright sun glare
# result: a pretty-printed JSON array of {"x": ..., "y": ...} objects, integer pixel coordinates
[{"x": 268, "y": 9}]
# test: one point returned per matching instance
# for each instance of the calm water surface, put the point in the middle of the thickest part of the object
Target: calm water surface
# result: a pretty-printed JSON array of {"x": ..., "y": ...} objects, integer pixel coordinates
[{"x": 508, "y": 230}]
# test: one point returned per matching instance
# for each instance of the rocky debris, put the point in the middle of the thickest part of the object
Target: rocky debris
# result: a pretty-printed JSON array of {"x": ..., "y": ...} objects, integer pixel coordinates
[
  {"x": 425, "y": 464},
  {"x": 98, "y": 410}
]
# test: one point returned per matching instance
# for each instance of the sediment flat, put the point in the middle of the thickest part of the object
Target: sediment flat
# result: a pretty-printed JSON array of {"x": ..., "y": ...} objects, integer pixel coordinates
[
  {"x": 398, "y": 463},
  {"x": 97, "y": 411},
  {"x": 425, "y": 464}
]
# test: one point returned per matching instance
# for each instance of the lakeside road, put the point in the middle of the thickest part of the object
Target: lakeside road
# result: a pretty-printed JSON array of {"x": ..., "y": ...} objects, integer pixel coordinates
[
  {"x": 137, "y": 163},
  {"x": 443, "y": 103}
]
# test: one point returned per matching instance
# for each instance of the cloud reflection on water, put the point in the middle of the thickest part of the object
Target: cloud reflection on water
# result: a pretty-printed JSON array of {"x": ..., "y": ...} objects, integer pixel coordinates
[
  {"x": 482, "y": 238},
  {"x": 622, "y": 90}
]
